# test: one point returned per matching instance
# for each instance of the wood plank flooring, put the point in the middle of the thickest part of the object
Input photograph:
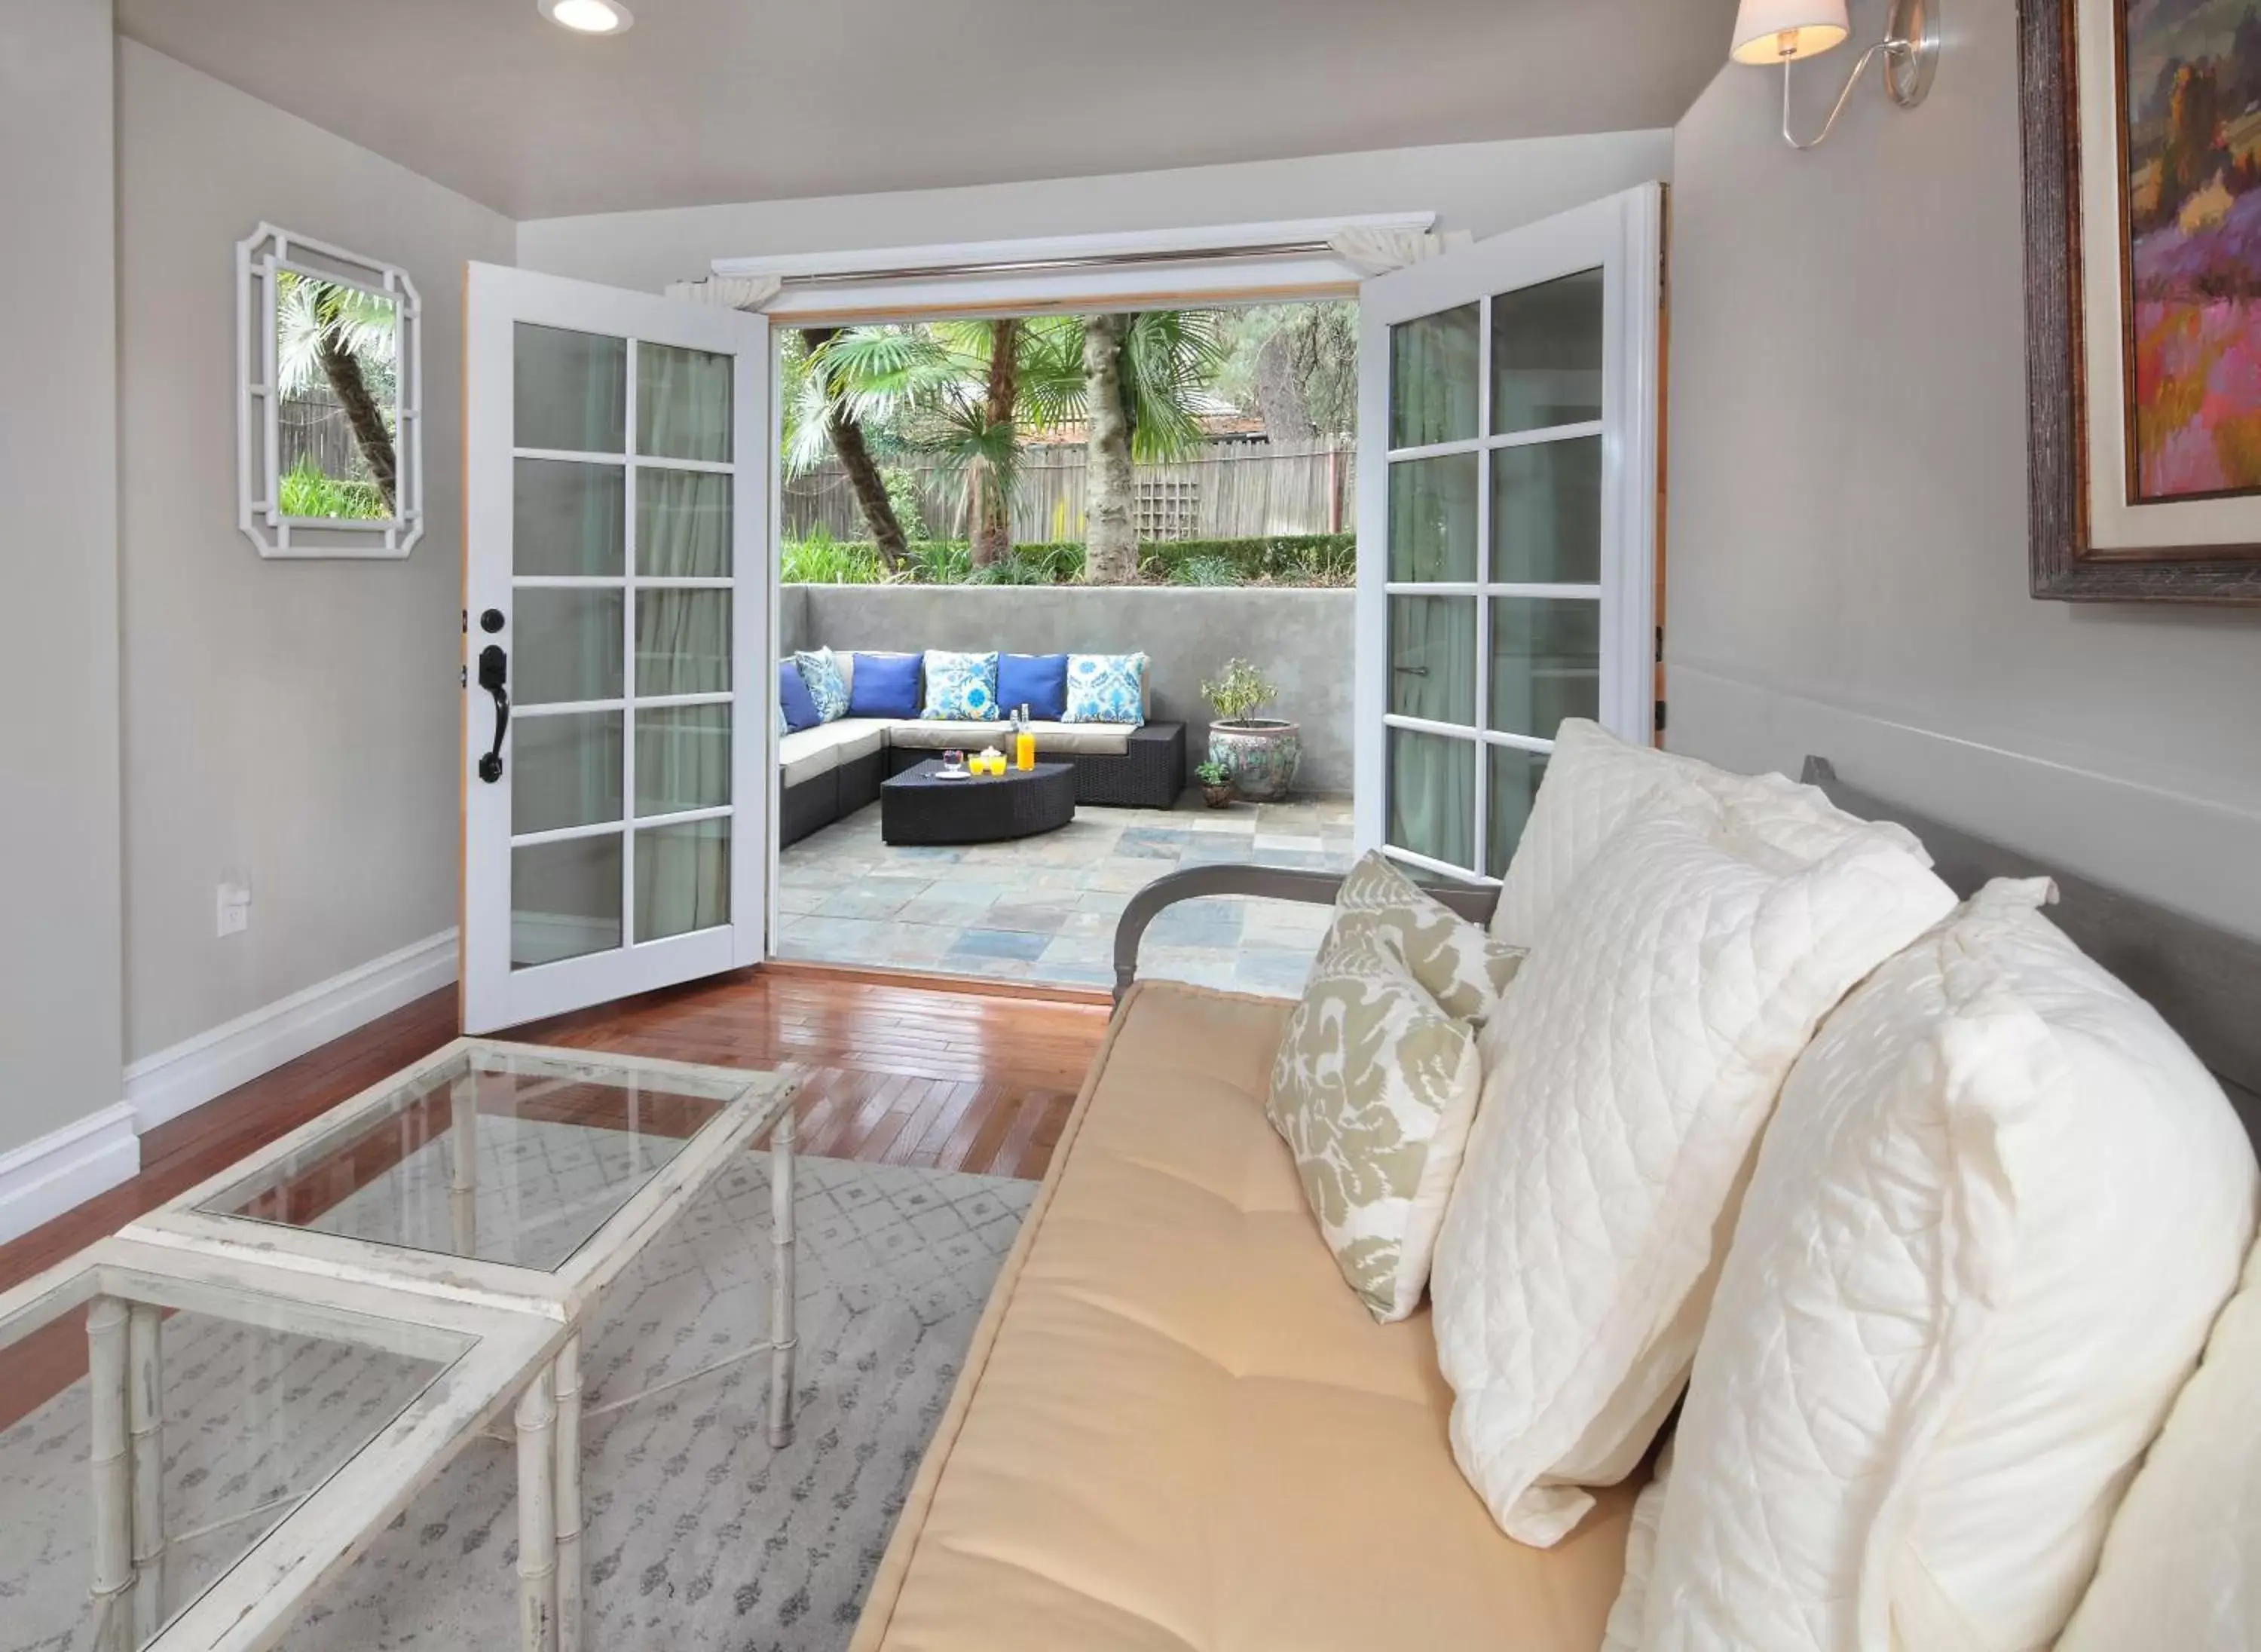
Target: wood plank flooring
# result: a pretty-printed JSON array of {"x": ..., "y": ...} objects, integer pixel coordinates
[{"x": 893, "y": 1074}]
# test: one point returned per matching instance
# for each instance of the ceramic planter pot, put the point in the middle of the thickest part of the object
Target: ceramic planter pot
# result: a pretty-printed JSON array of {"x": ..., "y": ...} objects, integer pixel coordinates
[
  {"x": 1262, "y": 754},
  {"x": 1217, "y": 796}
]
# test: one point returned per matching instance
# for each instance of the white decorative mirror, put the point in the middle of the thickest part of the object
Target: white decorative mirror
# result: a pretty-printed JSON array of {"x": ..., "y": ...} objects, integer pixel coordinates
[{"x": 329, "y": 397}]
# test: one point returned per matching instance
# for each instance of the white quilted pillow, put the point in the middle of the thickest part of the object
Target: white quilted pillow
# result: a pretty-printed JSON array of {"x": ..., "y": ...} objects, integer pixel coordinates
[
  {"x": 2182, "y": 1560},
  {"x": 1627, "y": 1074},
  {"x": 1996, "y": 1212}
]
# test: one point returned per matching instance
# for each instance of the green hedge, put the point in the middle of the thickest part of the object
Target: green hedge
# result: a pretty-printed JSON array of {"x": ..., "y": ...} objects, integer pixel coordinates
[{"x": 1324, "y": 559}]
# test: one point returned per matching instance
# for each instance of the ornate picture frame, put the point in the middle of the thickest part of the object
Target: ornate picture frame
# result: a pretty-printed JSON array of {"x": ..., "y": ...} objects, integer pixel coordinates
[{"x": 2094, "y": 537}]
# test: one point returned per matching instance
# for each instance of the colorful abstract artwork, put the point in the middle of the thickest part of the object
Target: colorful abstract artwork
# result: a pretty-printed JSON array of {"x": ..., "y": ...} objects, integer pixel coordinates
[{"x": 2191, "y": 109}]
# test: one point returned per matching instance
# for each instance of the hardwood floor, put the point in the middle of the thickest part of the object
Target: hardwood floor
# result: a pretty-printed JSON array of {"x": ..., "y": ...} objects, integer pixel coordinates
[{"x": 958, "y": 1080}]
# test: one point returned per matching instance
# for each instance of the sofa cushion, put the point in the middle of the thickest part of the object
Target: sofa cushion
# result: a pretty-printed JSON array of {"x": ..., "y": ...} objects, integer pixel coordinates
[
  {"x": 1456, "y": 963},
  {"x": 806, "y": 753},
  {"x": 1053, "y": 739},
  {"x": 884, "y": 685},
  {"x": 1038, "y": 681},
  {"x": 828, "y": 684},
  {"x": 1627, "y": 1077},
  {"x": 1106, "y": 688},
  {"x": 960, "y": 687},
  {"x": 794, "y": 700},
  {"x": 1176, "y": 1432},
  {"x": 1999, "y": 1209}
]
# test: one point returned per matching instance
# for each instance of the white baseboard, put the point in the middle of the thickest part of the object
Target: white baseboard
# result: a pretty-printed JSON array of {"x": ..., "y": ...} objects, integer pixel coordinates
[
  {"x": 44, "y": 1178},
  {"x": 166, "y": 1084}
]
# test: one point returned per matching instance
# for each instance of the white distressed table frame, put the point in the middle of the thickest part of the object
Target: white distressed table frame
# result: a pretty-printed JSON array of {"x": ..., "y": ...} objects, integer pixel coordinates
[{"x": 548, "y": 1416}]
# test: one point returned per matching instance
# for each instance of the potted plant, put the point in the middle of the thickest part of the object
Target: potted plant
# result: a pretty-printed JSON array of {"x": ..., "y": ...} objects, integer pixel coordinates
[
  {"x": 1216, "y": 783},
  {"x": 1259, "y": 753}
]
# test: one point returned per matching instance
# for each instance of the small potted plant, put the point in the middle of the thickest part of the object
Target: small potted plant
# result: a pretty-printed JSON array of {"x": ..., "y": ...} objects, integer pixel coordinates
[
  {"x": 1216, "y": 783},
  {"x": 1259, "y": 753}
]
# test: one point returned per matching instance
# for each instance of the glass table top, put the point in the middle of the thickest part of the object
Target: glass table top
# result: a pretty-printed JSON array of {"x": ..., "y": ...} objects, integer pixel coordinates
[{"x": 506, "y": 1156}]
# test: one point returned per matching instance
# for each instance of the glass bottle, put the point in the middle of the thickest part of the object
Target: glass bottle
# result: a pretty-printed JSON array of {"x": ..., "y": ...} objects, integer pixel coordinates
[{"x": 1024, "y": 742}]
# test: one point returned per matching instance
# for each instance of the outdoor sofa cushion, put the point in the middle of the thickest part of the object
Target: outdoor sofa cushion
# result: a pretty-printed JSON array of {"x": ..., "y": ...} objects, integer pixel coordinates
[
  {"x": 960, "y": 687},
  {"x": 794, "y": 700},
  {"x": 1087, "y": 740},
  {"x": 828, "y": 682},
  {"x": 1038, "y": 681},
  {"x": 1176, "y": 1432},
  {"x": 1106, "y": 688},
  {"x": 809, "y": 753},
  {"x": 884, "y": 685}
]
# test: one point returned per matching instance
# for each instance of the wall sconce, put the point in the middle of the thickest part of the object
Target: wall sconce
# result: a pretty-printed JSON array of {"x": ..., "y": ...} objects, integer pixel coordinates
[{"x": 1783, "y": 31}]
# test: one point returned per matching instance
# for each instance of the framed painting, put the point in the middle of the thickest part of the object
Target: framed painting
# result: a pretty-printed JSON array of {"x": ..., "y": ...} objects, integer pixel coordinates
[{"x": 2142, "y": 173}]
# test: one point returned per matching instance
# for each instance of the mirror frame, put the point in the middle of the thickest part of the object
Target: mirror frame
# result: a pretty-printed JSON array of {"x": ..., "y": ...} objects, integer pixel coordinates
[{"x": 258, "y": 258}]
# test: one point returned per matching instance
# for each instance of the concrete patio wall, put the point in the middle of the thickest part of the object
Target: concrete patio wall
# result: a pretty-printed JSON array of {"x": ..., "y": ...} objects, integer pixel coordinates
[{"x": 1302, "y": 639}]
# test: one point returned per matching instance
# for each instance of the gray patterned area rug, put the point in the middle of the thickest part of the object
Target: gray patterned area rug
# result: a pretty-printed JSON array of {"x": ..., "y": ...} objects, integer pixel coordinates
[{"x": 697, "y": 1536}]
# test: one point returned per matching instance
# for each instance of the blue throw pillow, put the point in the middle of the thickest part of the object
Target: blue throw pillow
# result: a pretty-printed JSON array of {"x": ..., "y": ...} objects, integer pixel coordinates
[
  {"x": 960, "y": 687},
  {"x": 793, "y": 699},
  {"x": 826, "y": 687},
  {"x": 1038, "y": 681},
  {"x": 1106, "y": 688},
  {"x": 884, "y": 685}
]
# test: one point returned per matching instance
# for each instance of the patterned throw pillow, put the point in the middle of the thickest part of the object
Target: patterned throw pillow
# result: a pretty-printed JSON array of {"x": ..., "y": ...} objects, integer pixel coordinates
[
  {"x": 1106, "y": 688},
  {"x": 1457, "y": 964},
  {"x": 821, "y": 671},
  {"x": 960, "y": 687},
  {"x": 1374, "y": 1089}
]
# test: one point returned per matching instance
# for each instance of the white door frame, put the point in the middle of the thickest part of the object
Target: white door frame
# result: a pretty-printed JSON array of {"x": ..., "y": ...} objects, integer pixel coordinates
[
  {"x": 493, "y": 994},
  {"x": 1622, "y": 234}
]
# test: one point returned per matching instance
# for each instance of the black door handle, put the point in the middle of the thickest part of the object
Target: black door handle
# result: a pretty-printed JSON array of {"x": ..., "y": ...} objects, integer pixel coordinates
[{"x": 494, "y": 677}]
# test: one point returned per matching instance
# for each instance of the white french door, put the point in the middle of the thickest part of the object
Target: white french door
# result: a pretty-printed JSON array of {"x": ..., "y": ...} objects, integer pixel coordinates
[
  {"x": 1507, "y": 522},
  {"x": 617, "y": 706}
]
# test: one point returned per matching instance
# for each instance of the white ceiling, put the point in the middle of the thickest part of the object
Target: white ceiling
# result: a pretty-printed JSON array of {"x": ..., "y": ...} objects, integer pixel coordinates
[{"x": 737, "y": 100}]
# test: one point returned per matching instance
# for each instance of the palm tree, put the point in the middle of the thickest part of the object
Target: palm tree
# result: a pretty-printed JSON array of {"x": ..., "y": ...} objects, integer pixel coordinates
[
  {"x": 1143, "y": 378},
  {"x": 817, "y": 419},
  {"x": 345, "y": 336}
]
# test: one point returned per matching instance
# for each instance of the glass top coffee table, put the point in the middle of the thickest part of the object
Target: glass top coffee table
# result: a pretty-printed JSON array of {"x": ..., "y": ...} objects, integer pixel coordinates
[{"x": 508, "y": 1179}]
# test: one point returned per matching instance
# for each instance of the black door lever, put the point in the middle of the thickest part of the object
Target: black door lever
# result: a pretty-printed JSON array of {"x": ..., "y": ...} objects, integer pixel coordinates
[{"x": 494, "y": 677}]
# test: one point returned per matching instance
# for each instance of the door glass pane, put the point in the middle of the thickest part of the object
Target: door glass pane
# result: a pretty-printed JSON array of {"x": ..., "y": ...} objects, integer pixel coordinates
[
  {"x": 565, "y": 899},
  {"x": 1433, "y": 519},
  {"x": 1545, "y": 663},
  {"x": 683, "y": 759},
  {"x": 1546, "y": 355},
  {"x": 1433, "y": 658},
  {"x": 1547, "y": 513},
  {"x": 683, "y": 402},
  {"x": 1515, "y": 777},
  {"x": 570, "y": 391},
  {"x": 1434, "y": 364},
  {"x": 1432, "y": 796},
  {"x": 568, "y": 646},
  {"x": 683, "y": 524},
  {"x": 569, "y": 518},
  {"x": 682, "y": 878},
  {"x": 683, "y": 643},
  {"x": 566, "y": 770}
]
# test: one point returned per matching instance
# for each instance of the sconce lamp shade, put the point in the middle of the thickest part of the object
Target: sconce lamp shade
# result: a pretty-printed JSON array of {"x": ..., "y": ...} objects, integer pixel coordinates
[{"x": 1781, "y": 31}]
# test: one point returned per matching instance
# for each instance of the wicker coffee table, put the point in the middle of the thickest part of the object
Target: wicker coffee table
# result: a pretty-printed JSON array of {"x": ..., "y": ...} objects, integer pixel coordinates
[{"x": 917, "y": 807}]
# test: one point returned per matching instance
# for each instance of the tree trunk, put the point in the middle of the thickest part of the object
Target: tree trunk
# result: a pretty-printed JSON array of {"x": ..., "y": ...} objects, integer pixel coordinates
[
  {"x": 1110, "y": 538},
  {"x": 845, "y": 431},
  {"x": 989, "y": 514},
  {"x": 362, "y": 413},
  {"x": 1280, "y": 399}
]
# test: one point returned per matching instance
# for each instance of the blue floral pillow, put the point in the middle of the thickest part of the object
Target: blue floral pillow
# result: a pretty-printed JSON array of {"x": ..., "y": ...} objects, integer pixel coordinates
[
  {"x": 1106, "y": 688},
  {"x": 821, "y": 671},
  {"x": 960, "y": 687}
]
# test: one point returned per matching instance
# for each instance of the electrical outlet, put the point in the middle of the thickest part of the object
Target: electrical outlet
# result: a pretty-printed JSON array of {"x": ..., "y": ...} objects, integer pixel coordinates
[{"x": 234, "y": 908}]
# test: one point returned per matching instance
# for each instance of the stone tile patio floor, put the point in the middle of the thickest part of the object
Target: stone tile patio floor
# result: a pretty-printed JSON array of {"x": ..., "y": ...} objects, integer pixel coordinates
[{"x": 1044, "y": 909}]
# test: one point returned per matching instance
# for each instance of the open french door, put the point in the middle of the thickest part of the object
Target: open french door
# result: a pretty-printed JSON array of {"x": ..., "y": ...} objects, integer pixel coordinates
[
  {"x": 1507, "y": 522},
  {"x": 616, "y": 703}
]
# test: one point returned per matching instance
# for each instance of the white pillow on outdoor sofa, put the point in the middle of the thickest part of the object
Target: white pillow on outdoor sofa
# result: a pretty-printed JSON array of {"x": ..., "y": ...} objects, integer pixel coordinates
[
  {"x": 1996, "y": 1211},
  {"x": 1627, "y": 1074}
]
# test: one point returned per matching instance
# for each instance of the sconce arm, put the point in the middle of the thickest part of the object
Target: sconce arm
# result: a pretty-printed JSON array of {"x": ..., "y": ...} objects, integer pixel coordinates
[{"x": 1843, "y": 97}]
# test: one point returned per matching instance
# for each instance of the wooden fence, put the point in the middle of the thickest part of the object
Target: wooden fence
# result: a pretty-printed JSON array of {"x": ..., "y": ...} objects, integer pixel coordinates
[
  {"x": 316, "y": 428},
  {"x": 1233, "y": 490}
]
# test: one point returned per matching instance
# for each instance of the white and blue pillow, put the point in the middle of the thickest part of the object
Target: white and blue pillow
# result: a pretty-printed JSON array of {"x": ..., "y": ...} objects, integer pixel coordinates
[
  {"x": 960, "y": 687},
  {"x": 820, "y": 669},
  {"x": 1106, "y": 688}
]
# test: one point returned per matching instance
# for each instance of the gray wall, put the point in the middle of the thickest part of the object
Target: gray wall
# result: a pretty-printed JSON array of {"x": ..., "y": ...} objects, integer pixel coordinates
[
  {"x": 59, "y": 962},
  {"x": 295, "y": 721},
  {"x": 1847, "y": 569},
  {"x": 1301, "y": 639}
]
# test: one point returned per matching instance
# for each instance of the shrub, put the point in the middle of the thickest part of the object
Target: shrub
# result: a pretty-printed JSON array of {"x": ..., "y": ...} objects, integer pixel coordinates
[
  {"x": 1239, "y": 692},
  {"x": 822, "y": 560},
  {"x": 307, "y": 491},
  {"x": 1204, "y": 570},
  {"x": 1285, "y": 559},
  {"x": 1011, "y": 570}
]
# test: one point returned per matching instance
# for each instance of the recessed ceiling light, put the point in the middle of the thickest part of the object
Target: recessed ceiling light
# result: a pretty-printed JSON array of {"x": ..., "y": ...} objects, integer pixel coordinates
[{"x": 588, "y": 17}]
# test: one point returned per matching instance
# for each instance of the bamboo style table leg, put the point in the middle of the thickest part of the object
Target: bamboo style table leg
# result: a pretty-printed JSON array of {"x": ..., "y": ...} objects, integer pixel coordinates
[
  {"x": 463, "y": 1163},
  {"x": 782, "y": 1315},
  {"x": 569, "y": 1576},
  {"x": 145, "y": 1415},
  {"x": 111, "y": 1460},
  {"x": 537, "y": 1515}
]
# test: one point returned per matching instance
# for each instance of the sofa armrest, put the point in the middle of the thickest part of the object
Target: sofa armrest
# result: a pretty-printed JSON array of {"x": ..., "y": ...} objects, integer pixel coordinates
[{"x": 1472, "y": 901}]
